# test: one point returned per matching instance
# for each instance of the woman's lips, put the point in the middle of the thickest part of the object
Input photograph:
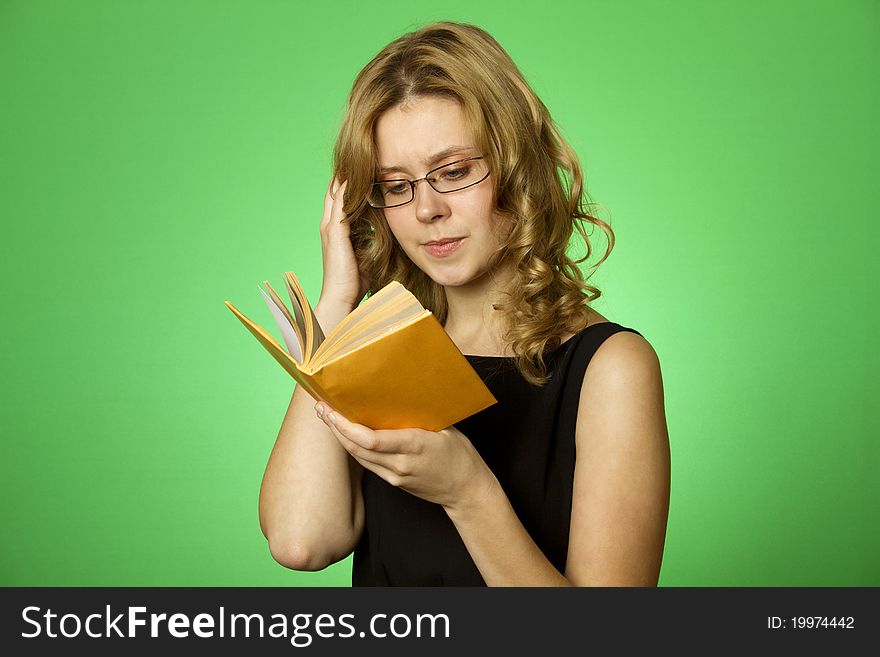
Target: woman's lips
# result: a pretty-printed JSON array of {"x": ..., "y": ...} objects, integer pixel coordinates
[{"x": 442, "y": 249}]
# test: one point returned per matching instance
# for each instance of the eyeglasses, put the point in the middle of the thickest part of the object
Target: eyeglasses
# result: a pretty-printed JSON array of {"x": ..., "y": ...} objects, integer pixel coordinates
[{"x": 451, "y": 177}]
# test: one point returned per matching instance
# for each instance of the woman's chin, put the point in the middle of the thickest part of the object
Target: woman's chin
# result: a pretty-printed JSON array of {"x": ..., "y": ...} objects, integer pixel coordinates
[
  {"x": 452, "y": 274},
  {"x": 453, "y": 278},
  {"x": 448, "y": 279}
]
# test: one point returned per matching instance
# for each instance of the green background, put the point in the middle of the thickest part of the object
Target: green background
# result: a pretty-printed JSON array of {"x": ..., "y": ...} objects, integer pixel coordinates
[{"x": 158, "y": 158}]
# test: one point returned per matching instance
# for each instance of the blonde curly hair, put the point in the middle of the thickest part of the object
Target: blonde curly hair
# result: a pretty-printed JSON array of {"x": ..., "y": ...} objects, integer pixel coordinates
[{"x": 538, "y": 183}]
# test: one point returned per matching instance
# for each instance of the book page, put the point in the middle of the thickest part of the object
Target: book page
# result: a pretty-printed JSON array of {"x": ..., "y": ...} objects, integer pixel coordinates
[
  {"x": 295, "y": 321},
  {"x": 299, "y": 316},
  {"x": 288, "y": 331},
  {"x": 314, "y": 333},
  {"x": 371, "y": 305},
  {"x": 389, "y": 308},
  {"x": 394, "y": 312},
  {"x": 360, "y": 319}
]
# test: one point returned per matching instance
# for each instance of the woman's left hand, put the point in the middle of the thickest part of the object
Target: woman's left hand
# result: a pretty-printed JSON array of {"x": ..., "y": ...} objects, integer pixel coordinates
[{"x": 438, "y": 466}]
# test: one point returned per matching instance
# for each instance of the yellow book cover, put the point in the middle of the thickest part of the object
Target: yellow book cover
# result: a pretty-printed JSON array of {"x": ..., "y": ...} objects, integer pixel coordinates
[{"x": 388, "y": 365}]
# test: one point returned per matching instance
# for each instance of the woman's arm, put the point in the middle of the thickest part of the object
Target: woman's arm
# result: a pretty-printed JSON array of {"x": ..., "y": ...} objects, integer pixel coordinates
[
  {"x": 621, "y": 486},
  {"x": 311, "y": 507}
]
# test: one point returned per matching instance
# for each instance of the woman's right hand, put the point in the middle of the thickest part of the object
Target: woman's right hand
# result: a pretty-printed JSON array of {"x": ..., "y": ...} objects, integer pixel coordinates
[{"x": 343, "y": 285}]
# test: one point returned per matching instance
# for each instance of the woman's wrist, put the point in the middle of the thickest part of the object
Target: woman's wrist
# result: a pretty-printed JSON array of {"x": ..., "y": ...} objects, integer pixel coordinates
[
  {"x": 482, "y": 490},
  {"x": 330, "y": 313}
]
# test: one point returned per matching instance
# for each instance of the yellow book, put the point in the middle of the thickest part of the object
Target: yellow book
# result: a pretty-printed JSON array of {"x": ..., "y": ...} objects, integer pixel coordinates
[{"x": 388, "y": 365}]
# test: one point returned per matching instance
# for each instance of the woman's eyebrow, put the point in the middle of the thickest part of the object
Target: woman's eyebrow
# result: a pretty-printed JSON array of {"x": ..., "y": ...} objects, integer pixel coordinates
[{"x": 433, "y": 159}]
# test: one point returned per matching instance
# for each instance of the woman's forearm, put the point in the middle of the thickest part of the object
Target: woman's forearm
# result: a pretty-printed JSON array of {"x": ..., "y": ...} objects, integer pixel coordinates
[
  {"x": 500, "y": 546},
  {"x": 310, "y": 508}
]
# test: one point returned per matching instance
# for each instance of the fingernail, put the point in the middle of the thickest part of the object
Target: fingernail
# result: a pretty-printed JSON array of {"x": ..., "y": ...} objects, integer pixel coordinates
[
  {"x": 331, "y": 417},
  {"x": 319, "y": 409}
]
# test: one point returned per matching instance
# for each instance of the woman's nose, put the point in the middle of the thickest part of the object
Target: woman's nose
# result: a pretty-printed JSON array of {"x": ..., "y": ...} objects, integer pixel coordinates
[{"x": 430, "y": 204}]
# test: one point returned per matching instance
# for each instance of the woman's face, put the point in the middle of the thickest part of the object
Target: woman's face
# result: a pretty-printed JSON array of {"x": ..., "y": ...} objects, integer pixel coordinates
[{"x": 408, "y": 139}]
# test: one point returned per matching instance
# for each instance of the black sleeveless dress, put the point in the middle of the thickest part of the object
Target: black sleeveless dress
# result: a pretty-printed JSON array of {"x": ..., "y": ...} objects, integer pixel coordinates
[{"x": 528, "y": 441}]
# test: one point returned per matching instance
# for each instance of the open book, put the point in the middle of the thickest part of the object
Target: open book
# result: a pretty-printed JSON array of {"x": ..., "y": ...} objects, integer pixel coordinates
[{"x": 388, "y": 365}]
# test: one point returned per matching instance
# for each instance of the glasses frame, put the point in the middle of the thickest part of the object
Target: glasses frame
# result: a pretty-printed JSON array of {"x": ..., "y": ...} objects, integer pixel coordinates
[{"x": 413, "y": 183}]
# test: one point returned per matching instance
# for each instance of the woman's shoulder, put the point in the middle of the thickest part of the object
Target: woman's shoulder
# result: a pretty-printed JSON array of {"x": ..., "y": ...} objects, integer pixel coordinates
[
  {"x": 595, "y": 322},
  {"x": 595, "y": 318},
  {"x": 619, "y": 360},
  {"x": 618, "y": 349},
  {"x": 568, "y": 339}
]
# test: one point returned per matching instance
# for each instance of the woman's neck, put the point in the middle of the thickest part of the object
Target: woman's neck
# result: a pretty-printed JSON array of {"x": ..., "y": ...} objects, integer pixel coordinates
[{"x": 471, "y": 321}]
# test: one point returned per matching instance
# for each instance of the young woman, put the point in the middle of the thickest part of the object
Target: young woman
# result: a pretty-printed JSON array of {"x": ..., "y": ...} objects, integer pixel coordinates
[{"x": 452, "y": 178}]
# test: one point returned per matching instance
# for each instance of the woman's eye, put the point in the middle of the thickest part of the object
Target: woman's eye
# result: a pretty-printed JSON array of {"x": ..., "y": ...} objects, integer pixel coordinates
[
  {"x": 394, "y": 188},
  {"x": 455, "y": 174}
]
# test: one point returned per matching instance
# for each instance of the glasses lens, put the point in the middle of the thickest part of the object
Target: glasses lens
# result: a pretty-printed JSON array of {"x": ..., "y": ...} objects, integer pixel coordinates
[
  {"x": 388, "y": 193},
  {"x": 459, "y": 175}
]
